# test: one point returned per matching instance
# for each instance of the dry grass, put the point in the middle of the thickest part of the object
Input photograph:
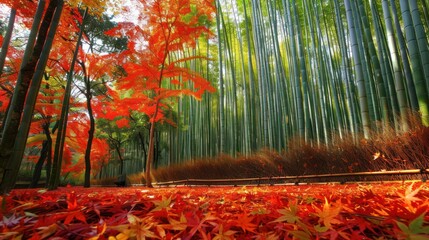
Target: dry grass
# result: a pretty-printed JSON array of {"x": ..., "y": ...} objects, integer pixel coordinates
[
  {"x": 104, "y": 181},
  {"x": 384, "y": 151}
]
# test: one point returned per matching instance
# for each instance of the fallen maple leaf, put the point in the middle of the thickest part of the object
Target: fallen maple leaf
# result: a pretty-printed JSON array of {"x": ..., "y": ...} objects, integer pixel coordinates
[
  {"x": 328, "y": 214},
  {"x": 224, "y": 235},
  {"x": 126, "y": 213},
  {"x": 289, "y": 215},
  {"x": 410, "y": 196},
  {"x": 162, "y": 204},
  {"x": 244, "y": 221},
  {"x": 137, "y": 229},
  {"x": 78, "y": 215},
  {"x": 177, "y": 225},
  {"x": 198, "y": 224}
]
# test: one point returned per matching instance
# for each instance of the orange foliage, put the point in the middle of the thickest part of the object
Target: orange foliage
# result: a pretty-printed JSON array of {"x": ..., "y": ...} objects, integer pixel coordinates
[
  {"x": 24, "y": 9},
  {"x": 171, "y": 26},
  {"x": 100, "y": 153}
]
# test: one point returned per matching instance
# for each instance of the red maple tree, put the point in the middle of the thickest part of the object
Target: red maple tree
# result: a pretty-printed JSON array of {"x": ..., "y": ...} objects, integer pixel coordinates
[{"x": 169, "y": 27}]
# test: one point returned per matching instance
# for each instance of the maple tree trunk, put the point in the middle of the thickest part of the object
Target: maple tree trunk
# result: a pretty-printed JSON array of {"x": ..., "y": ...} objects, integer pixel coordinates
[
  {"x": 48, "y": 163},
  {"x": 150, "y": 154},
  {"x": 39, "y": 165},
  {"x": 151, "y": 146},
  {"x": 44, "y": 155},
  {"x": 121, "y": 160},
  {"x": 91, "y": 131}
]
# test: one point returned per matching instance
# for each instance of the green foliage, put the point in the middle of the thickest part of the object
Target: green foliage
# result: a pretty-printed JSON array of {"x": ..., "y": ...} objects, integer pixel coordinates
[
  {"x": 416, "y": 230},
  {"x": 3, "y": 27},
  {"x": 100, "y": 42}
]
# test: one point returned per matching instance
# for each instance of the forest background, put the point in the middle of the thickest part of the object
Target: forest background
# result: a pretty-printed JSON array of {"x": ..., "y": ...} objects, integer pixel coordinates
[{"x": 289, "y": 82}]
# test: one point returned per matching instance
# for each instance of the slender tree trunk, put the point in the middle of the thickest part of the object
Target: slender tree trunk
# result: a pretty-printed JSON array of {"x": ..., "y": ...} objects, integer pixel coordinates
[
  {"x": 252, "y": 95},
  {"x": 422, "y": 42},
  {"x": 62, "y": 124},
  {"x": 363, "y": 101},
  {"x": 233, "y": 102},
  {"x": 303, "y": 76},
  {"x": 221, "y": 86},
  {"x": 29, "y": 62},
  {"x": 385, "y": 64},
  {"x": 405, "y": 61},
  {"x": 297, "y": 92},
  {"x": 91, "y": 131},
  {"x": 37, "y": 172},
  {"x": 421, "y": 37},
  {"x": 150, "y": 153},
  {"x": 44, "y": 155},
  {"x": 12, "y": 167},
  {"x": 376, "y": 68},
  {"x": 48, "y": 166},
  {"x": 121, "y": 160},
  {"x": 366, "y": 67},
  {"x": 416, "y": 63},
  {"x": 345, "y": 73},
  {"x": 399, "y": 83},
  {"x": 247, "y": 126}
]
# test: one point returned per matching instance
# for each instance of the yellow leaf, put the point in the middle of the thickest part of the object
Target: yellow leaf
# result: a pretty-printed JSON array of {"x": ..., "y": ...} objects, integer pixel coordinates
[
  {"x": 178, "y": 225},
  {"x": 162, "y": 204},
  {"x": 288, "y": 214},
  {"x": 36, "y": 138},
  {"x": 122, "y": 236},
  {"x": 328, "y": 214},
  {"x": 48, "y": 231}
]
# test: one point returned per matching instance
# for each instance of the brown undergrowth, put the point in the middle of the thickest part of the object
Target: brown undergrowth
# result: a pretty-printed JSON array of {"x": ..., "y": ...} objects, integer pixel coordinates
[{"x": 384, "y": 151}]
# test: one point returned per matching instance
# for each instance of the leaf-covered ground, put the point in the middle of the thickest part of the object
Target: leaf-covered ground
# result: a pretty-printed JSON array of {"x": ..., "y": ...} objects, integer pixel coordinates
[{"x": 370, "y": 211}]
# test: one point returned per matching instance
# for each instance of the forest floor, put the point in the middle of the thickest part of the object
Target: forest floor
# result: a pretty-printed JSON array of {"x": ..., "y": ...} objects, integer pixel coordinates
[{"x": 325, "y": 211}]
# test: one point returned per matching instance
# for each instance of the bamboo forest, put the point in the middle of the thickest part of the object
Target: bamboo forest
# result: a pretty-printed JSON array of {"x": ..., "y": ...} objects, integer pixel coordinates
[{"x": 96, "y": 89}]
